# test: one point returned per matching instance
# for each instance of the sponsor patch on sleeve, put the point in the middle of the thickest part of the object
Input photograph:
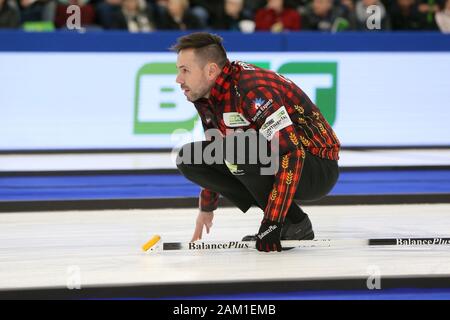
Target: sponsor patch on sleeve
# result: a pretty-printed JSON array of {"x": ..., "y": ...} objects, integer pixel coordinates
[{"x": 275, "y": 122}]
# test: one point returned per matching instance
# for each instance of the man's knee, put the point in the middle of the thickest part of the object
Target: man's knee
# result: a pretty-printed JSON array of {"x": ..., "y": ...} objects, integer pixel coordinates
[
  {"x": 190, "y": 157},
  {"x": 183, "y": 160}
]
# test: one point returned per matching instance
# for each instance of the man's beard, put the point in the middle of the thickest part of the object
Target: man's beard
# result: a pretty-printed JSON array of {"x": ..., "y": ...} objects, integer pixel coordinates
[{"x": 194, "y": 96}]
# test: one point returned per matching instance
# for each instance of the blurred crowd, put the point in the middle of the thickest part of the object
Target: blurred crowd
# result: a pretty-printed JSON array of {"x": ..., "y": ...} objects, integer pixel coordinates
[{"x": 239, "y": 15}]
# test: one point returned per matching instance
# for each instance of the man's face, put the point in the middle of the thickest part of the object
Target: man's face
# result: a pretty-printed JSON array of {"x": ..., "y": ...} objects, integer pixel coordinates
[
  {"x": 405, "y": 3},
  {"x": 175, "y": 8},
  {"x": 322, "y": 7},
  {"x": 277, "y": 5},
  {"x": 131, "y": 5},
  {"x": 368, "y": 3},
  {"x": 233, "y": 7},
  {"x": 194, "y": 77}
]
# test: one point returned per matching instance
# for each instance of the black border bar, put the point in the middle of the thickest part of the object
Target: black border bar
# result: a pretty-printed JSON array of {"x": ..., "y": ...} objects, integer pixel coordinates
[{"x": 193, "y": 289}]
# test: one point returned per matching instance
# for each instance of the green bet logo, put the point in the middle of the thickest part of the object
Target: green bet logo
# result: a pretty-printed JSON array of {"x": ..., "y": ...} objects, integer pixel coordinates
[{"x": 161, "y": 108}]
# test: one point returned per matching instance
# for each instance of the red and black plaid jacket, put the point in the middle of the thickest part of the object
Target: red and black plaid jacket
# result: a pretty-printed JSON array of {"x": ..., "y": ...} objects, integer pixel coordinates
[{"x": 263, "y": 98}]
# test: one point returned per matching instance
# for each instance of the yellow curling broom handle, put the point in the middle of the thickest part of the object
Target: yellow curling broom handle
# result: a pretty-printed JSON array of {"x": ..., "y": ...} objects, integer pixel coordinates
[{"x": 150, "y": 243}]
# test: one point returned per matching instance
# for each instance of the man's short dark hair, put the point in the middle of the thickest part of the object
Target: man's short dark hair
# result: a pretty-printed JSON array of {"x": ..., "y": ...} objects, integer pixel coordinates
[{"x": 207, "y": 46}]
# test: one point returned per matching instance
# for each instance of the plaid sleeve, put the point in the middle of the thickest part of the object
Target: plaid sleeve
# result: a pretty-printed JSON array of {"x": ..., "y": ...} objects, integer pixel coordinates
[
  {"x": 266, "y": 109},
  {"x": 208, "y": 200}
]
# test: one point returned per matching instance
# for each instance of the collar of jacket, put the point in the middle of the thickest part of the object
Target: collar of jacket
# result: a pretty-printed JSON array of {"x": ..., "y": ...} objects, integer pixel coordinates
[{"x": 222, "y": 84}]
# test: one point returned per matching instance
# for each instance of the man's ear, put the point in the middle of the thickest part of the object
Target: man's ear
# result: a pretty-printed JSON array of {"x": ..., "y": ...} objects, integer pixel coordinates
[{"x": 213, "y": 70}]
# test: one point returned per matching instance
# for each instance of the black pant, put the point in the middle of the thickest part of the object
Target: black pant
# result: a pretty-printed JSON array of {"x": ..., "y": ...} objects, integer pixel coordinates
[{"x": 249, "y": 187}]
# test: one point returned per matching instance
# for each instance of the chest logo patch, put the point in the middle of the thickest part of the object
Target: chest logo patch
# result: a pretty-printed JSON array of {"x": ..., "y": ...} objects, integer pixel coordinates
[{"x": 235, "y": 119}]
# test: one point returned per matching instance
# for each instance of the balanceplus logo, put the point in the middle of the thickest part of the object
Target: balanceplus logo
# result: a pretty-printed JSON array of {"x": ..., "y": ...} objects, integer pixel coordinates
[
  {"x": 161, "y": 108},
  {"x": 213, "y": 246}
]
